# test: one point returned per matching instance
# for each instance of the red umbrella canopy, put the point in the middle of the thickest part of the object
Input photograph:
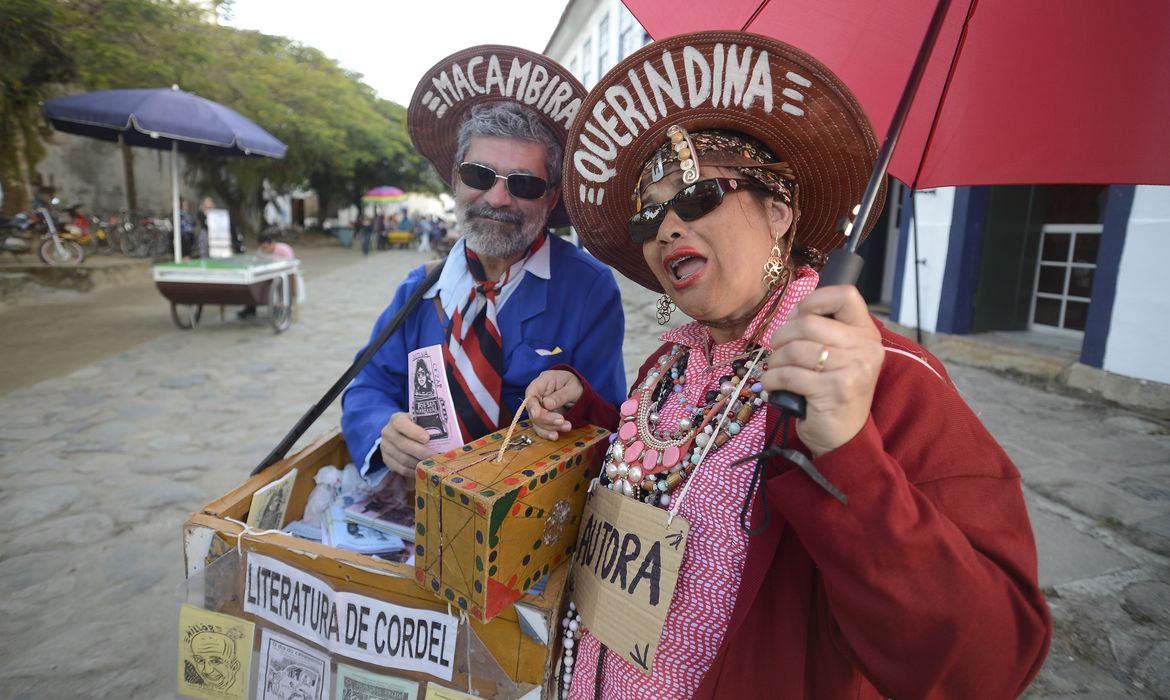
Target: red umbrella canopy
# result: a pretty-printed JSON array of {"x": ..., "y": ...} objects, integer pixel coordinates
[{"x": 1016, "y": 92}]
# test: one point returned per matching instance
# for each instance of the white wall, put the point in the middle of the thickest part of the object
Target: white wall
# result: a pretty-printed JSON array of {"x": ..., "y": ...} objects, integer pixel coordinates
[
  {"x": 583, "y": 23},
  {"x": 1139, "y": 334},
  {"x": 933, "y": 209}
]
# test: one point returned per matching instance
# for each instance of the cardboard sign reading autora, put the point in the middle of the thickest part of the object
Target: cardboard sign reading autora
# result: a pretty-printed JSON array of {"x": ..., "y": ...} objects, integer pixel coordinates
[
  {"x": 350, "y": 624},
  {"x": 524, "y": 81},
  {"x": 722, "y": 77}
]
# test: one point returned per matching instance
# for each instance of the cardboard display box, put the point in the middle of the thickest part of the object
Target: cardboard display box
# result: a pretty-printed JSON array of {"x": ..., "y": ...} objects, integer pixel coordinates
[
  {"x": 523, "y": 638},
  {"x": 486, "y": 530}
]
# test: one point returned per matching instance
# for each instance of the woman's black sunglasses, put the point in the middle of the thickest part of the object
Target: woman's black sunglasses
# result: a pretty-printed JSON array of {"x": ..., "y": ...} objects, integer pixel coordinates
[
  {"x": 690, "y": 203},
  {"x": 520, "y": 185}
]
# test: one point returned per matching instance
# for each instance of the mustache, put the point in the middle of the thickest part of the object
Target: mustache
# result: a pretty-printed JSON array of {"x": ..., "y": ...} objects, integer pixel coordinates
[{"x": 484, "y": 211}]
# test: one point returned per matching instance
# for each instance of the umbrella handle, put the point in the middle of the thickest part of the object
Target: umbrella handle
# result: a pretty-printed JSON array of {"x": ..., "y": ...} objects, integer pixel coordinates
[
  {"x": 844, "y": 267},
  {"x": 845, "y": 264}
]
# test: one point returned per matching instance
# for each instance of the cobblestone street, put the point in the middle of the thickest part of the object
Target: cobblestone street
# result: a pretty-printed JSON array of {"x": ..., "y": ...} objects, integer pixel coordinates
[{"x": 101, "y": 465}]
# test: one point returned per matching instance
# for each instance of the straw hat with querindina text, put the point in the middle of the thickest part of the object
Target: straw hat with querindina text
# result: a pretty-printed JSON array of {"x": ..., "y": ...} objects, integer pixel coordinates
[
  {"x": 481, "y": 75},
  {"x": 734, "y": 81}
]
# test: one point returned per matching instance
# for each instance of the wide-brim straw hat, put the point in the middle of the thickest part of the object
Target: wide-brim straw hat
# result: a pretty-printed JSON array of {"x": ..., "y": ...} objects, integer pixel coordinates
[
  {"x": 754, "y": 85},
  {"x": 482, "y": 75}
]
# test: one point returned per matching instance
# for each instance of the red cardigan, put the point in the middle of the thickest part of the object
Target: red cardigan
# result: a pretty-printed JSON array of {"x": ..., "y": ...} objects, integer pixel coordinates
[{"x": 922, "y": 586}]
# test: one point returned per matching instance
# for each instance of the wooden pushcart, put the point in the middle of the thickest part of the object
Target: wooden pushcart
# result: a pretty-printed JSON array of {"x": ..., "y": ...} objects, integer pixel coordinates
[{"x": 248, "y": 280}]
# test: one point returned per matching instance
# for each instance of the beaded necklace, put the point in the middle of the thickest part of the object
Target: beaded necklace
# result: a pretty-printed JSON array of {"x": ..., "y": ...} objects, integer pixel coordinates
[{"x": 649, "y": 461}]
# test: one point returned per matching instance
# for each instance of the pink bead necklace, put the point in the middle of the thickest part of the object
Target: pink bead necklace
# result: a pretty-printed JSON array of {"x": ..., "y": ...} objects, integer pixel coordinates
[{"x": 648, "y": 460}]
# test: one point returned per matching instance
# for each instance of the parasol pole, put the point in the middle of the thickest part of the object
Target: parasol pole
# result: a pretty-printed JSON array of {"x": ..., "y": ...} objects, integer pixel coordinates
[
  {"x": 175, "y": 235},
  {"x": 844, "y": 263}
]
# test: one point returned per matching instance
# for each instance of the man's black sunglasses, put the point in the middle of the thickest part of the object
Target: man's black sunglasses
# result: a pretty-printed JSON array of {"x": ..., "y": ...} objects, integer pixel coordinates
[
  {"x": 520, "y": 185},
  {"x": 690, "y": 203}
]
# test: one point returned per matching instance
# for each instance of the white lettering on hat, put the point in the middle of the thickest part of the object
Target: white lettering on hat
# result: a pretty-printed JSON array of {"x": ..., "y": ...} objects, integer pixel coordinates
[
  {"x": 475, "y": 61},
  {"x": 726, "y": 78},
  {"x": 529, "y": 83},
  {"x": 518, "y": 75},
  {"x": 535, "y": 84},
  {"x": 495, "y": 77},
  {"x": 660, "y": 85}
]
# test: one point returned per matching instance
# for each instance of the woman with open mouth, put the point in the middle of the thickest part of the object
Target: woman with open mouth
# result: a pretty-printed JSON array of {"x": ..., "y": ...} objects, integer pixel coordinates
[{"x": 885, "y": 550}]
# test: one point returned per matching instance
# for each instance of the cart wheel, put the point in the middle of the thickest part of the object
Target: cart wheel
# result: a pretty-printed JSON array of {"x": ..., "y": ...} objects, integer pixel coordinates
[
  {"x": 186, "y": 316},
  {"x": 280, "y": 304}
]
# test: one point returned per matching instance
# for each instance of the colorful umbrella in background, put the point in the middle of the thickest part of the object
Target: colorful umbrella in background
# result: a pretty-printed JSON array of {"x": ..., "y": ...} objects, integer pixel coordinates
[
  {"x": 385, "y": 194},
  {"x": 167, "y": 119},
  {"x": 1043, "y": 91}
]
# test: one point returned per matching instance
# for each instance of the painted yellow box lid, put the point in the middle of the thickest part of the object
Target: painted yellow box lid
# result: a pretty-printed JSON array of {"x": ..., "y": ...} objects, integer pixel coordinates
[{"x": 488, "y": 530}]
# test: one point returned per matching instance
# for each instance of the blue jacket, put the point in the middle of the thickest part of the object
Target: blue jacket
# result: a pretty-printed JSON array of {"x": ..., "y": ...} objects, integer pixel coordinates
[{"x": 578, "y": 309}]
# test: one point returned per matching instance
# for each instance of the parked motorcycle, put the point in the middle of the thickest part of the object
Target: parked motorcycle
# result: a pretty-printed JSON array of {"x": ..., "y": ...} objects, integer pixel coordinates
[
  {"x": 14, "y": 235},
  {"x": 56, "y": 249}
]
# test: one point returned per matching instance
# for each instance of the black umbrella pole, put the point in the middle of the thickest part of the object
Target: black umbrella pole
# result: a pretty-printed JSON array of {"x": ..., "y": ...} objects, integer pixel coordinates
[
  {"x": 844, "y": 264},
  {"x": 334, "y": 391}
]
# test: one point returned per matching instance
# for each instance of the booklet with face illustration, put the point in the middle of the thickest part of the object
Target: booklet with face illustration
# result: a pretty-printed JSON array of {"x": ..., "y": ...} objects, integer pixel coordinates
[
  {"x": 270, "y": 503},
  {"x": 390, "y": 510}
]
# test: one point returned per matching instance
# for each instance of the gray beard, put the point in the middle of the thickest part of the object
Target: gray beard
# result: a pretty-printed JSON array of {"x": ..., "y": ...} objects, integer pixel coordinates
[{"x": 496, "y": 233}]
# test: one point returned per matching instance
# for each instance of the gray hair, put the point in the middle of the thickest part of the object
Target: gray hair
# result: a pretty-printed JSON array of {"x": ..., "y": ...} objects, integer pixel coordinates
[{"x": 511, "y": 120}]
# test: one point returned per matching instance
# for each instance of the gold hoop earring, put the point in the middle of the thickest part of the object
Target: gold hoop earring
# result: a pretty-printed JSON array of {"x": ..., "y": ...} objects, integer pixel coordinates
[{"x": 665, "y": 309}]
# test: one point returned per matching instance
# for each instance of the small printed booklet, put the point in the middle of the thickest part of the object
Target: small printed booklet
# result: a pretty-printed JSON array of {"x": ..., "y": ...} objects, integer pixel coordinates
[
  {"x": 431, "y": 405},
  {"x": 355, "y": 537},
  {"x": 291, "y": 670},
  {"x": 270, "y": 503},
  {"x": 215, "y": 654},
  {"x": 390, "y": 510},
  {"x": 356, "y": 683}
]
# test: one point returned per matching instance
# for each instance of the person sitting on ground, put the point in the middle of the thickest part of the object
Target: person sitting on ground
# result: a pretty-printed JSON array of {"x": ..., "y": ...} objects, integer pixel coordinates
[{"x": 273, "y": 249}]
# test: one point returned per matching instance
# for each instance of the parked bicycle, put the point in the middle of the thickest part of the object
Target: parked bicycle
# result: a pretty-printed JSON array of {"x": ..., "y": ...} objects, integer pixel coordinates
[{"x": 149, "y": 238}]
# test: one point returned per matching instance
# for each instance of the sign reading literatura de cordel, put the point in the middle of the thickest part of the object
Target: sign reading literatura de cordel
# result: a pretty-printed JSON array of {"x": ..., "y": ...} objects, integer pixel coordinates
[
  {"x": 720, "y": 76},
  {"x": 514, "y": 78},
  {"x": 350, "y": 624}
]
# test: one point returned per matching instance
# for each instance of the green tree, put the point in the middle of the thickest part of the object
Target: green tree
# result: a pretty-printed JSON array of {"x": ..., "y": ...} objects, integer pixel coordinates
[
  {"x": 341, "y": 138},
  {"x": 33, "y": 57}
]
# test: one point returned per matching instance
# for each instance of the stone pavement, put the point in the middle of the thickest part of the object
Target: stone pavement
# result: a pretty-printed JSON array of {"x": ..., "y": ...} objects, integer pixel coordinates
[{"x": 100, "y": 468}]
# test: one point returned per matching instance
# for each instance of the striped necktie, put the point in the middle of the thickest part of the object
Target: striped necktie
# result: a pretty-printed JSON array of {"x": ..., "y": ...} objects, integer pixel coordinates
[{"x": 474, "y": 353}]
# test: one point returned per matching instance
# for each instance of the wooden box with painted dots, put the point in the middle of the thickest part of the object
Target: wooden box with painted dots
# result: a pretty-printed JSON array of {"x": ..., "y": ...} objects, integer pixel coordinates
[{"x": 487, "y": 530}]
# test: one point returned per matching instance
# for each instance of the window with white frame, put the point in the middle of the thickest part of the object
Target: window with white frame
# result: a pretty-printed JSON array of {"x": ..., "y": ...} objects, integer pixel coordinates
[
  {"x": 587, "y": 63},
  {"x": 630, "y": 34},
  {"x": 1064, "y": 275},
  {"x": 603, "y": 46}
]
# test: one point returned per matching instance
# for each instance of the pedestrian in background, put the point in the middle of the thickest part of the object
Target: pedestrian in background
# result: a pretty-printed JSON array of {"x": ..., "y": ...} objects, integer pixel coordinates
[
  {"x": 365, "y": 230},
  {"x": 186, "y": 229},
  {"x": 202, "y": 242}
]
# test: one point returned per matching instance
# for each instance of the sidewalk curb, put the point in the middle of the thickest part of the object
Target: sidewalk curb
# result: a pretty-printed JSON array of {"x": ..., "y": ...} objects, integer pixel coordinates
[{"x": 1138, "y": 395}]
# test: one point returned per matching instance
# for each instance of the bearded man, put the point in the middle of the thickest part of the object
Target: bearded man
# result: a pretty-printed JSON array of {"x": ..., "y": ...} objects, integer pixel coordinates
[{"x": 512, "y": 300}]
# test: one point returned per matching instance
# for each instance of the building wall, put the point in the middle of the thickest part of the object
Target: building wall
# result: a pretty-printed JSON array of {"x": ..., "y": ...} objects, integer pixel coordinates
[
  {"x": 593, "y": 36},
  {"x": 90, "y": 172},
  {"x": 1139, "y": 333},
  {"x": 932, "y": 209}
]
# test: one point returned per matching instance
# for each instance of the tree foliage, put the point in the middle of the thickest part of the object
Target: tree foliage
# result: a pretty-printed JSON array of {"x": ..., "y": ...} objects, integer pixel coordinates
[{"x": 342, "y": 139}]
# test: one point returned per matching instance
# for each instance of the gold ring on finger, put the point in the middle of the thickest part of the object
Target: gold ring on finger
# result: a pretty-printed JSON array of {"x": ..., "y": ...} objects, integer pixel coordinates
[{"x": 822, "y": 358}]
